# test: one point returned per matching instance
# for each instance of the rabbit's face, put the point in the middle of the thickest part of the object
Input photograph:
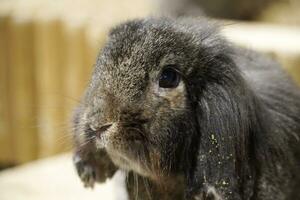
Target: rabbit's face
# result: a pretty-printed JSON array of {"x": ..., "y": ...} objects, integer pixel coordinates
[{"x": 138, "y": 105}]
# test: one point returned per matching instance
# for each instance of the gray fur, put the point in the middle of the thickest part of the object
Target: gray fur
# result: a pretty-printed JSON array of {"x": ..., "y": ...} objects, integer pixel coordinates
[{"x": 230, "y": 130}]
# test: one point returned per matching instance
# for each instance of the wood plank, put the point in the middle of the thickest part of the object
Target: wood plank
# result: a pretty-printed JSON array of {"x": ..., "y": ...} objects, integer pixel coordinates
[
  {"x": 49, "y": 58},
  {"x": 78, "y": 66},
  {"x": 5, "y": 132},
  {"x": 22, "y": 91}
]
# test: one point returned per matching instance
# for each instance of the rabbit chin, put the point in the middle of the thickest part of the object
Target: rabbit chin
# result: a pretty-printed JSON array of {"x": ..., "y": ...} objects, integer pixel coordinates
[{"x": 127, "y": 164}]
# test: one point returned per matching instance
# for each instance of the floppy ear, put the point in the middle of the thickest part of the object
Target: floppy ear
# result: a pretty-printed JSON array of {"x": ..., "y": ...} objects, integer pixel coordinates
[{"x": 225, "y": 112}]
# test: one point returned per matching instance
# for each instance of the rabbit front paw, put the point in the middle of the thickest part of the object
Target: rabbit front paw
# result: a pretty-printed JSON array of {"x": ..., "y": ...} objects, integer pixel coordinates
[{"x": 86, "y": 171}]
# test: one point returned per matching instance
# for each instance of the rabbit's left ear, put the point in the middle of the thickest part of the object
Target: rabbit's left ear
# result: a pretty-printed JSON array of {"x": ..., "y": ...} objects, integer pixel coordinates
[{"x": 223, "y": 114}]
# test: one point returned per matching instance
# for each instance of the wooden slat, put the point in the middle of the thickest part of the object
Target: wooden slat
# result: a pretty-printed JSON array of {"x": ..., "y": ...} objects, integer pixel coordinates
[
  {"x": 78, "y": 66},
  {"x": 49, "y": 57},
  {"x": 22, "y": 92},
  {"x": 5, "y": 132},
  {"x": 292, "y": 64}
]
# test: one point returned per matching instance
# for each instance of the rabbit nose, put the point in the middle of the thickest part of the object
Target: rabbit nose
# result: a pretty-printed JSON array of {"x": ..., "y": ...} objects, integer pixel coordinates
[{"x": 100, "y": 130}]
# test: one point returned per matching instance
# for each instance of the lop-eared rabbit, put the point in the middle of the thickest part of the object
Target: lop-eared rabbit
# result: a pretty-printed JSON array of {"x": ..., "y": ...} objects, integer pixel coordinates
[{"x": 188, "y": 115}]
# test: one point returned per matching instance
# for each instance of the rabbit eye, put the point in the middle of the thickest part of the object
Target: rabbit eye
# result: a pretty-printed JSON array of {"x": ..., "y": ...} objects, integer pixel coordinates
[{"x": 169, "y": 78}]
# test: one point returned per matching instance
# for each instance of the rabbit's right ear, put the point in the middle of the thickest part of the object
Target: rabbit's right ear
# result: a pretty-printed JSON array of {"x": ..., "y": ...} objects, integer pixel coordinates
[{"x": 225, "y": 113}]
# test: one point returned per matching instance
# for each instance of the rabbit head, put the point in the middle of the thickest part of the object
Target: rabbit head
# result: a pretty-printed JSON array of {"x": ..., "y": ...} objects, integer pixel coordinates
[
  {"x": 166, "y": 98},
  {"x": 158, "y": 89}
]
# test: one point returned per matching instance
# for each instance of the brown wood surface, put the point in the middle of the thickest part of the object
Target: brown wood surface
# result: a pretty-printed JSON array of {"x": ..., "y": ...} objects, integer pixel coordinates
[
  {"x": 49, "y": 57},
  {"x": 22, "y": 91},
  {"x": 77, "y": 71},
  {"x": 5, "y": 137}
]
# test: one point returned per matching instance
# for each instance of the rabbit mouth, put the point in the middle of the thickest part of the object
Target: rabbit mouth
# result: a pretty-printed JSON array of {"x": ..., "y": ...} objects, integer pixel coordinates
[
  {"x": 127, "y": 147},
  {"x": 128, "y": 144}
]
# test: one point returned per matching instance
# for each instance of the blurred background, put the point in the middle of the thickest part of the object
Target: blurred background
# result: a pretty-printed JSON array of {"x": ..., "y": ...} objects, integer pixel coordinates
[{"x": 48, "y": 48}]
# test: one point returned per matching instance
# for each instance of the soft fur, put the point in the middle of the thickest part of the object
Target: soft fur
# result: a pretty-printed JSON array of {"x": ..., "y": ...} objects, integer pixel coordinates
[{"x": 230, "y": 130}]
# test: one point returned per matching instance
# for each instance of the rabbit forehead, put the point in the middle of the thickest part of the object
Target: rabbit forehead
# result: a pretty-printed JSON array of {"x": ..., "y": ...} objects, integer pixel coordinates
[
  {"x": 125, "y": 79},
  {"x": 135, "y": 50},
  {"x": 140, "y": 45},
  {"x": 128, "y": 62}
]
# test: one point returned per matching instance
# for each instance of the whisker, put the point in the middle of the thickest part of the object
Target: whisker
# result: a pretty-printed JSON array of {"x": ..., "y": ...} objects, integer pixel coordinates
[
  {"x": 136, "y": 184},
  {"x": 147, "y": 187}
]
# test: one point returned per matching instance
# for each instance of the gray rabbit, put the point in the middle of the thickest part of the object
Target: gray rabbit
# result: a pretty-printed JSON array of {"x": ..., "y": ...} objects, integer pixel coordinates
[{"x": 188, "y": 116}]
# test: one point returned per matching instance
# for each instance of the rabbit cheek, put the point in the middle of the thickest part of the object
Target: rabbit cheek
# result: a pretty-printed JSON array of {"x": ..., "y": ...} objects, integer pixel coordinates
[
  {"x": 81, "y": 137},
  {"x": 175, "y": 97},
  {"x": 176, "y": 100}
]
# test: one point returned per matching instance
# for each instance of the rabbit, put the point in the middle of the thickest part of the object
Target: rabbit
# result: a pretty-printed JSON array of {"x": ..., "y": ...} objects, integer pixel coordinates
[{"x": 188, "y": 115}]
